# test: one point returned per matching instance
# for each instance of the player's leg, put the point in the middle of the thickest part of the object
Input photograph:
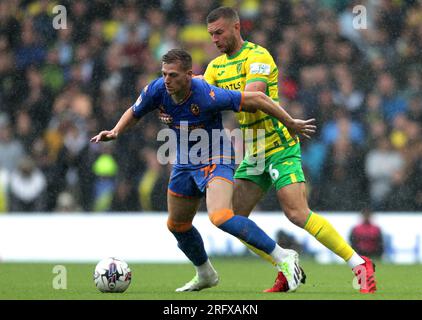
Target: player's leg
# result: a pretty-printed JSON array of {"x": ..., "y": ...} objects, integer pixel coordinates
[
  {"x": 249, "y": 187},
  {"x": 219, "y": 196},
  {"x": 243, "y": 205},
  {"x": 248, "y": 190},
  {"x": 293, "y": 200},
  {"x": 285, "y": 169},
  {"x": 183, "y": 200},
  {"x": 181, "y": 213}
]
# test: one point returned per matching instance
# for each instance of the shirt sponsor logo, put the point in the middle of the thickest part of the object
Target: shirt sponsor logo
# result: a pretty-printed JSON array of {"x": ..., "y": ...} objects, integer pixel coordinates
[{"x": 232, "y": 86}]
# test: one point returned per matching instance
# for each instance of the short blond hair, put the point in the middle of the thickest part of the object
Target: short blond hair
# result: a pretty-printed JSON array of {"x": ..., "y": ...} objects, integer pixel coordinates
[{"x": 223, "y": 12}]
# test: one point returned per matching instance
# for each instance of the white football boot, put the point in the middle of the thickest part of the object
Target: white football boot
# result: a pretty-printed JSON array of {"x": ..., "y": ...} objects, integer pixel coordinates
[
  {"x": 292, "y": 271},
  {"x": 199, "y": 283}
]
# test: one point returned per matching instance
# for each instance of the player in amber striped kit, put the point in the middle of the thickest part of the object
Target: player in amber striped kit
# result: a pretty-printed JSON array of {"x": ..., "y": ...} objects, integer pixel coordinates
[{"x": 246, "y": 66}]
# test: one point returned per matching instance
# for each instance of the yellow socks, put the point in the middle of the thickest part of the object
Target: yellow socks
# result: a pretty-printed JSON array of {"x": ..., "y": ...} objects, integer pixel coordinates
[
  {"x": 260, "y": 253},
  {"x": 325, "y": 233}
]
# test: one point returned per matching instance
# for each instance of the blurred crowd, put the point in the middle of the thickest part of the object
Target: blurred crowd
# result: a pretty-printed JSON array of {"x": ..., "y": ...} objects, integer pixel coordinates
[{"x": 58, "y": 87}]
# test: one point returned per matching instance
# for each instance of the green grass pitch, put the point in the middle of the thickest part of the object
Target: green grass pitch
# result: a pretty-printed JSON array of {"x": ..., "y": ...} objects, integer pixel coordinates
[{"x": 240, "y": 279}]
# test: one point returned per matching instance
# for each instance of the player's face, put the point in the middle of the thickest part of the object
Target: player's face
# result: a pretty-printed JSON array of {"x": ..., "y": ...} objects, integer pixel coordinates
[
  {"x": 223, "y": 34},
  {"x": 175, "y": 78}
]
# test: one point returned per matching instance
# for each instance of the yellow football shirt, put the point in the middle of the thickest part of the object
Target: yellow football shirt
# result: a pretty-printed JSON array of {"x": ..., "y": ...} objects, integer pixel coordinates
[{"x": 252, "y": 63}]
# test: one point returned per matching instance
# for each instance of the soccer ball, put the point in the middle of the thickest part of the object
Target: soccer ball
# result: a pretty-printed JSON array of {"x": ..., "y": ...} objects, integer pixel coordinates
[{"x": 112, "y": 275}]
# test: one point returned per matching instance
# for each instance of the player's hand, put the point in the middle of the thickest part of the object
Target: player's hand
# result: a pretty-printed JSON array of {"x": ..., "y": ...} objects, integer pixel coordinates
[
  {"x": 104, "y": 136},
  {"x": 198, "y": 76},
  {"x": 304, "y": 128}
]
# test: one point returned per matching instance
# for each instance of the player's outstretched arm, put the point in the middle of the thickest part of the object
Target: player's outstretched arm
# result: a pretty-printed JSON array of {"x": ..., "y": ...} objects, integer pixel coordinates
[
  {"x": 126, "y": 121},
  {"x": 253, "y": 101}
]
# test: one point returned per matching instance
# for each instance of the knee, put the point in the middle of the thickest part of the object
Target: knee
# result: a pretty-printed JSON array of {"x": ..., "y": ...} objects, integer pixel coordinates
[
  {"x": 176, "y": 226},
  {"x": 218, "y": 217},
  {"x": 297, "y": 216}
]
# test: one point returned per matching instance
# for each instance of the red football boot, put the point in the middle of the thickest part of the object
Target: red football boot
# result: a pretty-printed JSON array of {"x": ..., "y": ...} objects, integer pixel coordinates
[
  {"x": 280, "y": 284},
  {"x": 365, "y": 275}
]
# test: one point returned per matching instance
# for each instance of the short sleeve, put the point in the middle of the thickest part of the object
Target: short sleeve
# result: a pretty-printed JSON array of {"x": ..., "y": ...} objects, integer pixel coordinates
[
  {"x": 258, "y": 66},
  {"x": 209, "y": 74},
  {"x": 222, "y": 99},
  {"x": 147, "y": 100}
]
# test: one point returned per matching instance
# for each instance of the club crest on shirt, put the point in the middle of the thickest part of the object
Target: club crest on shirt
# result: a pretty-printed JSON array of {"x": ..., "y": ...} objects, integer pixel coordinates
[
  {"x": 194, "y": 108},
  {"x": 239, "y": 67}
]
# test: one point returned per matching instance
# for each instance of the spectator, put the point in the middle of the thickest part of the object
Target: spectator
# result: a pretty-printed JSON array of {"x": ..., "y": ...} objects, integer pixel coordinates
[
  {"x": 129, "y": 23},
  {"x": 52, "y": 72},
  {"x": 27, "y": 187},
  {"x": 9, "y": 80},
  {"x": 4, "y": 190},
  {"x": 347, "y": 96},
  {"x": 31, "y": 51},
  {"x": 417, "y": 182},
  {"x": 345, "y": 20},
  {"x": 414, "y": 84},
  {"x": 402, "y": 194},
  {"x": 9, "y": 24},
  {"x": 392, "y": 103},
  {"x": 373, "y": 112},
  {"x": 66, "y": 203},
  {"x": 43, "y": 23},
  {"x": 11, "y": 149},
  {"x": 381, "y": 164},
  {"x": 38, "y": 100},
  {"x": 25, "y": 130},
  {"x": 74, "y": 162},
  {"x": 342, "y": 126},
  {"x": 415, "y": 108},
  {"x": 79, "y": 16},
  {"x": 367, "y": 237},
  {"x": 194, "y": 36},
  {"x": 45, "y": 160},
  {"x": 105, "y": 169},
  {"x": 343, "y": 187},
  {"x": 125, "y": 197},
  {"x": 64, "y": 46},
  {"x": 152, "y": 182}
]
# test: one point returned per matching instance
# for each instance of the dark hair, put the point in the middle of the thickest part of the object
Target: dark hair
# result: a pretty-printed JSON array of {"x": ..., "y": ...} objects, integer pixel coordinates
[
  {"x": 178, "y": 55},
  {"x": 222, "y": 12}
]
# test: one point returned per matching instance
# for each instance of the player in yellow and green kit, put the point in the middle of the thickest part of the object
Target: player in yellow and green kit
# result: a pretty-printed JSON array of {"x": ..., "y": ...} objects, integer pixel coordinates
[
  {"x": 246, "y": 66},
  {"x": 253, "y": 64}
]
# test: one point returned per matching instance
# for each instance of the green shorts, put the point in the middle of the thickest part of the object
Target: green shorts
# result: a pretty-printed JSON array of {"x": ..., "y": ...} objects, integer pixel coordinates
[{"x": 280, "y": 169}]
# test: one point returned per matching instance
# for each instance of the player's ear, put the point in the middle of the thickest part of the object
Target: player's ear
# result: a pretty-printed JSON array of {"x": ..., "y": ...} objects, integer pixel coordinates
[
  {"x": 237, "y": 26},
  {"x": 189, "y": 73}
]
